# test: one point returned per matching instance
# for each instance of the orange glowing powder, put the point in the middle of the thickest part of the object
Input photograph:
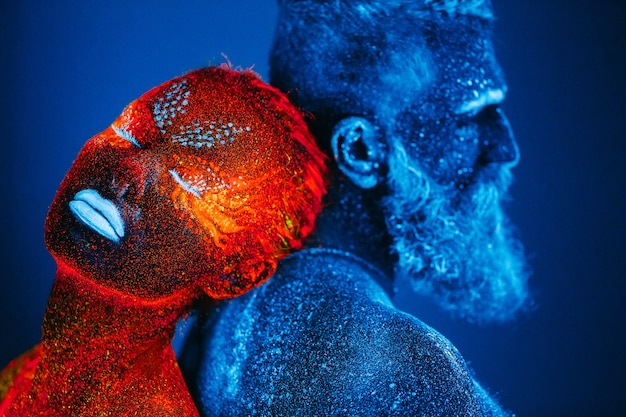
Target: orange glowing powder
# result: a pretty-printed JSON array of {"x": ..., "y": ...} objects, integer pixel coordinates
[
  {"x": 245, "y": 165},
  {"x": 199, "y": 188}
]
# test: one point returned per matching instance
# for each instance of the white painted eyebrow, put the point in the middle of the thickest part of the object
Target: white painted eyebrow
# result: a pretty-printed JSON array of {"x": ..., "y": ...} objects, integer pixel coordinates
[
  {"x": 486, "y": 98},
  {"x": 126, "y": 135},
  {"x": 186, "y": 186}
]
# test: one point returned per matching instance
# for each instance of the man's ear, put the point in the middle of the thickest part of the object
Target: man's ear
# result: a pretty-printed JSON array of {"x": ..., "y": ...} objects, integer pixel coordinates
[{"x": 358, "y": 150}]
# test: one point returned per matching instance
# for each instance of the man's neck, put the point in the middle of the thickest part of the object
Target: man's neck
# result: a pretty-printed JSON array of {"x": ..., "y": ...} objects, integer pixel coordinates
[{"x": 353, "y": 221}]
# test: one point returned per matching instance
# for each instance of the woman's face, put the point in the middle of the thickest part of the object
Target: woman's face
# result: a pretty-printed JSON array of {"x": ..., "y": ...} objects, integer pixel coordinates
[
  {"x": 171, "y": 194},
  {"x": 114, "y": 219}
]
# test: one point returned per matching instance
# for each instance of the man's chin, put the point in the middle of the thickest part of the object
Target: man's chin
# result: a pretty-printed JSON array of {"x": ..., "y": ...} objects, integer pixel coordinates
[
  {"x": 457, "y": 246},
  {"x": 477, "y": 275}
]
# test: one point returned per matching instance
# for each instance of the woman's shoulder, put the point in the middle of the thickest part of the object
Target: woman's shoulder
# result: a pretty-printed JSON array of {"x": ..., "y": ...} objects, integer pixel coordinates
[{"x": 18, "y": 372}]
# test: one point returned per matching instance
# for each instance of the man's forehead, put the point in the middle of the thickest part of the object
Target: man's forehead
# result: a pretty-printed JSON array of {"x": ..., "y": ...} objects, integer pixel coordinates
[
  {"x": 430, "y": 54},
  {"x": 479, "y": 8},
  {"x": 462, "y": 64},
  {"x": 452, "y": 65}
]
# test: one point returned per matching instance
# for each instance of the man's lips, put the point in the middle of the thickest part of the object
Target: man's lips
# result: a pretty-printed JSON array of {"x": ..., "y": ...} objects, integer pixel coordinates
[{"x": 98, "y": 213}]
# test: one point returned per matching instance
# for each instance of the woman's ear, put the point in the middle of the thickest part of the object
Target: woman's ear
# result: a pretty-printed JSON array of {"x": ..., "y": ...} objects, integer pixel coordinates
[{"x": 358, "y": 150}]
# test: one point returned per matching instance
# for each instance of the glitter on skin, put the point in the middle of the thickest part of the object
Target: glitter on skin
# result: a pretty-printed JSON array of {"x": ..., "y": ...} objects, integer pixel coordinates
[{"x": 135, "y": 247}]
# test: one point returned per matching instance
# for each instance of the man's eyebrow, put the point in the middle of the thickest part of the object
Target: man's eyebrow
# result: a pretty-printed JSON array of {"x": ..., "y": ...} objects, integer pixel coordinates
[{"x": 485, "y": 98}]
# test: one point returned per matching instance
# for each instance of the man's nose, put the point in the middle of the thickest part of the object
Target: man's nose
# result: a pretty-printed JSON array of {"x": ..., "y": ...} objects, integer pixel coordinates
[{"x": 498, "y": 143}]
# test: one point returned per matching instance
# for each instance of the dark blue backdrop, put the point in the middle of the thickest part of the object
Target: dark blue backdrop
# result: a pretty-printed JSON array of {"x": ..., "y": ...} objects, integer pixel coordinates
[{"x": 68, "y": 69}]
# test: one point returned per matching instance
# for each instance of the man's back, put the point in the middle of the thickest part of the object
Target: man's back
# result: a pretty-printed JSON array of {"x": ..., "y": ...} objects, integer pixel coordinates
[{"x": 322, "y": 338}]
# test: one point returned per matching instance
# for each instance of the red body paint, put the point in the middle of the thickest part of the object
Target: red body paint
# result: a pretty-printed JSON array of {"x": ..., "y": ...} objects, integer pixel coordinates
[{"x": 198, "y": 188}]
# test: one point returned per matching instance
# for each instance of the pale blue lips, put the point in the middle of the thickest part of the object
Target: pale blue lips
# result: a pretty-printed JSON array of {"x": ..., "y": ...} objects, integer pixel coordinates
[{"x": 98, "y": 213}]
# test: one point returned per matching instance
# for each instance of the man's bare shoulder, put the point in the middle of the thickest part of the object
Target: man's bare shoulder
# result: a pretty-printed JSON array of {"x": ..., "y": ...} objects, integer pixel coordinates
[{"x": 329, "y": 342}]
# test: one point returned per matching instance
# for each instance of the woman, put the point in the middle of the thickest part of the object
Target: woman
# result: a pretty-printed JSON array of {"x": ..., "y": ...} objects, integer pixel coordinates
[{"x": 197, "y": 189}]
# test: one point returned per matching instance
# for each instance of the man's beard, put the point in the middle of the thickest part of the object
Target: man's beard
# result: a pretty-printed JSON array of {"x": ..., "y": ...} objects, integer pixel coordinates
[{"x": 457, "y": 246}]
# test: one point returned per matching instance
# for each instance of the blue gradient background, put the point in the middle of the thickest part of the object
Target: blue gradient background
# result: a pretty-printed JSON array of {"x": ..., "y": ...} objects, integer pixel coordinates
[{"x": 69, "y": 68}]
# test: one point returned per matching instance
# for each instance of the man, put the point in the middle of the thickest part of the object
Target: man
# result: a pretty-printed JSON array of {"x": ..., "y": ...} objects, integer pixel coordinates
[{"x": 405, "y": 99}]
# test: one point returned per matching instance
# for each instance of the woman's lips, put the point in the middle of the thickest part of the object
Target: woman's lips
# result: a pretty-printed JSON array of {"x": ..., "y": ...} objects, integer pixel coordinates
[{"x": 98, "y": 213}]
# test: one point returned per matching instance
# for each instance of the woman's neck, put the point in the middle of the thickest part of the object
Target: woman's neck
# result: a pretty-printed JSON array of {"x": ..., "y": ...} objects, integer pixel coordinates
[
  {"x": 83, "y": 315},
  {"x": 98, "y": 343}
]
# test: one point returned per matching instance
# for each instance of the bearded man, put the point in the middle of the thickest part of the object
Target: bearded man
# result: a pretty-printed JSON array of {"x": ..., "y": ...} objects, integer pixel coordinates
[{"x": 405, "y": 99}]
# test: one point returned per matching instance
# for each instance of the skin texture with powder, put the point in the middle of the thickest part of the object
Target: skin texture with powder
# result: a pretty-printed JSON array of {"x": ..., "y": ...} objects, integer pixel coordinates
[
  {"x": 194, "y": 193},
  {"x": 405, "y": 97}
]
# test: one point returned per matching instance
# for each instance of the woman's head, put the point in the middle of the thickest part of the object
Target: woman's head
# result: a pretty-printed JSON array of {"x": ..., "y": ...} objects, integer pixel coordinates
[{"x": 206, "y": 180}]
